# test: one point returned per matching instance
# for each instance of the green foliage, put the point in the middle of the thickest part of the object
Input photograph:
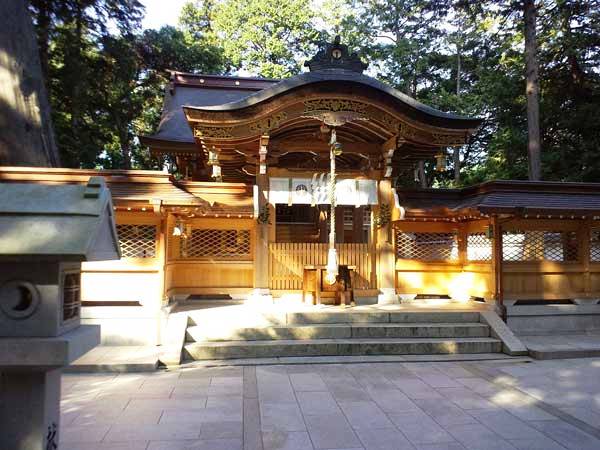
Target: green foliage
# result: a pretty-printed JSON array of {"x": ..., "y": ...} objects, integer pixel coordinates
[
  {"x": 107, "y": 88},
  {"x": 106, "y": 77},
  {"x": 266, "y": 37}
]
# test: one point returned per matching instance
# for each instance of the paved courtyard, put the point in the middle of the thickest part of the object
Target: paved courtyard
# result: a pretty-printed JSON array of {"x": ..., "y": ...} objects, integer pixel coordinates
[{"x": 542, "y": 405}]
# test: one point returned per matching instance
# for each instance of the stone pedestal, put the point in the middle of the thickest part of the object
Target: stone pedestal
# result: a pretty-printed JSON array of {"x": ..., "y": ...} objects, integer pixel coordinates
[
  {"x": 40, "y": 299},
  {"x": 30, "y": 372},
  {"x": 29, "y": 410}
]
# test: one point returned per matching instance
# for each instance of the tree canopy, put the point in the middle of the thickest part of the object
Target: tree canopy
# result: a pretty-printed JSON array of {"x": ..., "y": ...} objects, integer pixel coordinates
[{"x": 106, "y": 76}]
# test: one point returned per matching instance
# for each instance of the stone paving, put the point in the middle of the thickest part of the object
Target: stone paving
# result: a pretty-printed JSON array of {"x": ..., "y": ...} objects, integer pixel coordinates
[
  {"x": 571, "y": 345},
  {"x": 547, "y": 405}
]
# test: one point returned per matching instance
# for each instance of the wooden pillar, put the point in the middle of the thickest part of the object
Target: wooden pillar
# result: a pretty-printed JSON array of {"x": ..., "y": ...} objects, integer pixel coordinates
[
  {"x": 373, "y": 250},
  {"x": 585, "y": 235},
  {"x": 263, "y": 230},
  {"x": 497, "y": 265},
  {"x": 462, "y": 243},
  {"x": 386, "y": 260},
  {"x": 261, "y": 242}
]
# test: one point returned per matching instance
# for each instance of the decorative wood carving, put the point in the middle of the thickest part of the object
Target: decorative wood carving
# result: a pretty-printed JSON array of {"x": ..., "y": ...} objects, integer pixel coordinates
[
  {"x": 408, "y": 132},
  {"x": 449, "y": 140},
  {"x": 202, "y": 131},
  {"x": 267, "y": 124},
  {"x": 334, "y": 104}
]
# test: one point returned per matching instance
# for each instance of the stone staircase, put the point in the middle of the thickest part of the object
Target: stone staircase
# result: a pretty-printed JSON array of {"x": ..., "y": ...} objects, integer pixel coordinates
[{"x": 339, "y": 333}]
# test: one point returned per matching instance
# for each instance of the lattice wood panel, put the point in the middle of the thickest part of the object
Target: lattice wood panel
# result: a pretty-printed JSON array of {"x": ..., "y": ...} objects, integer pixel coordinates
[
  {"x": 219, "y": 244},
  {"x": 479, "y": 247},
  {"x": 427, "y": 246},
  {"x": 287, "y": 261},
  {"x": 137, "y": 241},
  {"x": 537, "y": 245},
  {"x": 595, "y": 246}
]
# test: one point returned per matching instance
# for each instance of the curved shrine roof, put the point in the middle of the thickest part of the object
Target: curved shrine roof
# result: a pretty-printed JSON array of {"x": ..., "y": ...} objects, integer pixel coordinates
[
  {"x": 200, "y": 90},
  {"x": 436, "y": 116},
  {"x": 229, "y": 116}
]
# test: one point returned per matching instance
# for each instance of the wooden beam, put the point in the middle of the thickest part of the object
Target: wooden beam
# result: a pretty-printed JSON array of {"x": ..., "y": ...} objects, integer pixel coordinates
[{"x": 323, "y": 147}]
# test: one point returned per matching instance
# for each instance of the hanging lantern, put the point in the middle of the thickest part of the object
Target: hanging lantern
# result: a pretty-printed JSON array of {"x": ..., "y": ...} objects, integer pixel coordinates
[
  {"x": 178, "y": 229},
  {"x": 216, "y": 171},
  {"x": 337, "y": 149},
  {"x": 440, "y": 162},
  {"x": 213, "y": 157},
  {"x": 262, "y": 155},
  {"x": 213, "y": 161}
]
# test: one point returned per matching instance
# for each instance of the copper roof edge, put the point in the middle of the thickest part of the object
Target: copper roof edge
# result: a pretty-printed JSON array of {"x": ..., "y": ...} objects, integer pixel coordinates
[
  {"x": 56, "y": 171},
  {"x": 228, "y": 77},
  {"x": 202, "y": 81},
  {"x": 509, "y": 185}
]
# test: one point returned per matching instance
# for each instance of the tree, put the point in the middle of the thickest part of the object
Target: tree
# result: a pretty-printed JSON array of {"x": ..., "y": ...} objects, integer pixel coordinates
[
  {"x": 532, "y": 90},
  {"x": 465, "y": 56},
  {"x": 265, "y": 37},
  {"x": 69, "y": 35},
  {"x": 26, "y": 136},
  {"x": 570, "y": 82},
  {"x": 135, "y": 72}
]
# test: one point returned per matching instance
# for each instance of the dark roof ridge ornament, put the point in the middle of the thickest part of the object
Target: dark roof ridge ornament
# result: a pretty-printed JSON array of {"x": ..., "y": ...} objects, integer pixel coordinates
[{"x": 335, "y": 56}]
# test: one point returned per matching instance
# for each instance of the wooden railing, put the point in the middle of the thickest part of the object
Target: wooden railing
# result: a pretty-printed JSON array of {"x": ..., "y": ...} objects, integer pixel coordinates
[{"x": 287, "y": 261}]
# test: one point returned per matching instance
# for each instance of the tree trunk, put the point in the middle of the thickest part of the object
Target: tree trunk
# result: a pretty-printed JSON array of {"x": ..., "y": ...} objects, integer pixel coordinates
[
  {"x": 458, "y": 68},
  {"x": 44, "y": 8},
  {"x": 456, "y": 150},
  {"x": 125, "y": 151},
  {"x": 75, "y": 51},
  {"x": 456, "y": 163},
  {"x": 26, "y": 137},
  {"x": 422, "y": 174},
  {"x": 532, "y": 91}
]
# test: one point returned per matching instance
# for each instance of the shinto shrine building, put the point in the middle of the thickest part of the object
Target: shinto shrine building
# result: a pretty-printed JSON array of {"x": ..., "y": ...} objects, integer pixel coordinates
[{"x": 249, "y": 207}]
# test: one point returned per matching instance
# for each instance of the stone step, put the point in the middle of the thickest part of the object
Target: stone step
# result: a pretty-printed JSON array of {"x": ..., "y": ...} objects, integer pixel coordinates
[
  {"x": 300, "y": 318},
  {"x": 243, "y": 317},
  {"x": 339, "y": 347},
  {"x": 338, "y": 331}
]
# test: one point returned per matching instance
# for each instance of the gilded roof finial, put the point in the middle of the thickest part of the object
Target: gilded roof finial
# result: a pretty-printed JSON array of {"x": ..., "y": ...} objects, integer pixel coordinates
[{"x": 335, "y": 55}]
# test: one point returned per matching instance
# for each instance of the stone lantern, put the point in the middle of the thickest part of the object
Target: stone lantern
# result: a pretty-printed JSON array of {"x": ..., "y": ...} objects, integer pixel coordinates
[{"x": 46, "y": 231}]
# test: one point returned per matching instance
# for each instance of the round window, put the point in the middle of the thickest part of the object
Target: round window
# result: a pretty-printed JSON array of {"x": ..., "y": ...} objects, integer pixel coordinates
[{"x": 18, "y": 299}]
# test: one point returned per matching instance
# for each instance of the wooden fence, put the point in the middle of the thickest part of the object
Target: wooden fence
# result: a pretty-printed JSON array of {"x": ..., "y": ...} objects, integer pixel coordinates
[{"x": 287, "y": 261}]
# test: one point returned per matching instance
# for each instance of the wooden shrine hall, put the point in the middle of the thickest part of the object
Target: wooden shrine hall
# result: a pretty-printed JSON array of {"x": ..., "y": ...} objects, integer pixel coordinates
[
  {"x": 331, "y": 135},
  {"x": 270, "y": 176}
]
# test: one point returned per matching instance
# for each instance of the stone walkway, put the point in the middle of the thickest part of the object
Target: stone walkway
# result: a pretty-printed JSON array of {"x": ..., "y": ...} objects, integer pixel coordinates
[
  {"x": 117, "y": 359},
  {"x": 555, "y": 346},
  {"x": 546, "y": 405}
]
